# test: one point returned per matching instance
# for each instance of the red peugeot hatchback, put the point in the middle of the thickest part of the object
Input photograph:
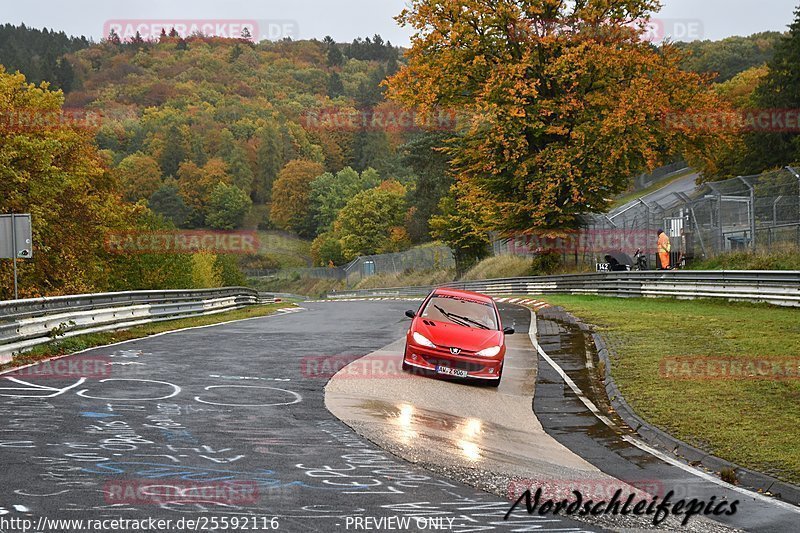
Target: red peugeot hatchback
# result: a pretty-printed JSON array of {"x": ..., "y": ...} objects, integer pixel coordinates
[{"x": 457, "y": 334}]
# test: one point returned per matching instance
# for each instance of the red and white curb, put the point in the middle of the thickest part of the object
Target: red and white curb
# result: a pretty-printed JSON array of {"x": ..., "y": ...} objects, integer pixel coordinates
[{"x": 533, "y": 304}]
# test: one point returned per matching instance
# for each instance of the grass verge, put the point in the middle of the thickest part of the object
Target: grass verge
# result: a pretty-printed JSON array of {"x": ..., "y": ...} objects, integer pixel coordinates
[
  {"x": 785, "y": 258},
  {"x": 91, "y": 340},
  {"x": 751, "y": 422}
]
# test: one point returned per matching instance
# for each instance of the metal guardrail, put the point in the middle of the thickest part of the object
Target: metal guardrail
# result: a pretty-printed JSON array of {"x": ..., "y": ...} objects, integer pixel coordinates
[
  {"x": 774, "y": 287},
  {"x": 35, "y": 321}
]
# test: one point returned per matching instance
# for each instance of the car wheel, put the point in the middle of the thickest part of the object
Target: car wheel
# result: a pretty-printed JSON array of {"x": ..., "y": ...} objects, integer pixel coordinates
[
  {"x": 496, "y": 383},
  {"x": 406, "y": 366}
]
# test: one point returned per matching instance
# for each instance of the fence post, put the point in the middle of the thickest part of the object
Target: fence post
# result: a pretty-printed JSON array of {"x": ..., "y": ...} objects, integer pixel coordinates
[{"x": 752, "y": 211}]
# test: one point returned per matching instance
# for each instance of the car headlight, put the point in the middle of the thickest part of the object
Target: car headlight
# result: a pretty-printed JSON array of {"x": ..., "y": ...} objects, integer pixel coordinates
[
  {"x": 489, "y": 352},
  {"x": 422, "y": 340}
]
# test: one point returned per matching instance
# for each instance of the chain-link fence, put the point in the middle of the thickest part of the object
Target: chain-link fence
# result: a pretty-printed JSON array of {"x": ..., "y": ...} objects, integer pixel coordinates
[
  {"x": 417, "y": 259},
  {"x": 745, "y": 213},
  {"x": 430, "y": 257}
]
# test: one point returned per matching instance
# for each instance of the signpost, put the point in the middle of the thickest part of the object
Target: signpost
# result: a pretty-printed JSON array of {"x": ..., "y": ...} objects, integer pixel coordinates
[{"x": 16, "y": 241}]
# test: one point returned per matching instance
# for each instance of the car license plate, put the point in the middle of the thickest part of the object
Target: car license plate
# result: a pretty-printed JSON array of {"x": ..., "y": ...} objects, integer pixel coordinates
[{"x": 447, "y": 371}]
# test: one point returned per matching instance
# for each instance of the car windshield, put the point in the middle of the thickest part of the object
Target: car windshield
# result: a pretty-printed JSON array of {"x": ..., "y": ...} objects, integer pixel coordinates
[{"x": 462, "y": 311}]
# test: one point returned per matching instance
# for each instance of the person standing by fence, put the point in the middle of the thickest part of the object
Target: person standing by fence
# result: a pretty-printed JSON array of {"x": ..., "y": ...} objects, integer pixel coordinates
[{"x": 664, "y": 249}]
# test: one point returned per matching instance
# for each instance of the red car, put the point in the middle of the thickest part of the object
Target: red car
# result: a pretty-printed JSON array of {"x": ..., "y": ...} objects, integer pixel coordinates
[{"x": 457, "y": 334}]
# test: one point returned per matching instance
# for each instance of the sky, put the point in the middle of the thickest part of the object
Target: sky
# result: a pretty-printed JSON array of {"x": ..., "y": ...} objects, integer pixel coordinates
[{"x": 345, "y": 20}]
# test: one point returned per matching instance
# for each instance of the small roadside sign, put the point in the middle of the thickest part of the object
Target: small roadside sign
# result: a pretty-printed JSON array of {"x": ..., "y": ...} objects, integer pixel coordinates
[{"x": 16, "y": 240}]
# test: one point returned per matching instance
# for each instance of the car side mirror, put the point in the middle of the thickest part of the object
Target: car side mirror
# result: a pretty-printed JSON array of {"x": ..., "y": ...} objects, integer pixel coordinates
[
  {"x": 509, "y": 330},
  {"x": 411, "y": 314}
]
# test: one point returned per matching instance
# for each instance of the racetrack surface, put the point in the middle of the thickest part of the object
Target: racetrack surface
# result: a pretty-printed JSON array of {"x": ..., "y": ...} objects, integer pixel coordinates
[
  {"x": 488, "y": 438},
  {"x": 209, "y": 406}
]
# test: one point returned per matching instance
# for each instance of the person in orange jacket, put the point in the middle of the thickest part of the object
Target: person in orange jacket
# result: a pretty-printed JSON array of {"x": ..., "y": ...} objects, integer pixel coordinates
[{"x": 664, "y": 248}]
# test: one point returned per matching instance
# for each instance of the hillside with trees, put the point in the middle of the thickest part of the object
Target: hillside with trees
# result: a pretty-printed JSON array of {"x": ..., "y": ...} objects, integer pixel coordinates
[
  {"x": 313, "y": 138},
  {"x": 728, "y": 57},
  {"x": 40, "y": 54},
  {"x": 223, "y": 134}
]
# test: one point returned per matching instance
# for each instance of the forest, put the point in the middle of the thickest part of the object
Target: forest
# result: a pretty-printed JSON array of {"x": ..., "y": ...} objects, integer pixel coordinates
[{"x": 227, "y": 134}]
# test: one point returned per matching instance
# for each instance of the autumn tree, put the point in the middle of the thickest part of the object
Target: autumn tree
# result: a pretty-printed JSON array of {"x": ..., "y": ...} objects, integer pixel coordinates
[
  {"x": 565, "y": 100},
  {"x": 367, "y": 224},
  {"x": 227, "y": 207},
  {"x": 196, "y": 185},
  {"x": 139, "y": 176},
  {"x": 425, "y": 155},
  {"x": 331, "y": 192},
  {"x": 51, "y": 169},
  {"x": 461, "y": 224},
  {"x": 167, "y": 202},
  {"x": 235, "y": 157},
  {"x": 291, "y": 195}
]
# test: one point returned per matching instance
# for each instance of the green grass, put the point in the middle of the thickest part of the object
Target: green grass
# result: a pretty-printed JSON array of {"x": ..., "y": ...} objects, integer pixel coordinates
[
  {"x": 91, "y": 340},
  {"x": 500, "y": 266},
  {"x": 628, "y": 197},
  {"x": 750, "y": 422},
  {"x": 784, "y": 259},
  {"x": 414, "y": 278},
  {"x": 316, "y": 288},
  {"x": 285, "y": 250}
]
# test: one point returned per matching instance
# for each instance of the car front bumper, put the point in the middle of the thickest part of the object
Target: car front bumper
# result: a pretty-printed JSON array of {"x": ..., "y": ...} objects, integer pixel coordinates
[{"x": 429, "y": 359}]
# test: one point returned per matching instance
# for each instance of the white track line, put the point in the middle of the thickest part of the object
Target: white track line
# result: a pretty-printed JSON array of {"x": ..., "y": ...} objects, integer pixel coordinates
[{"x": 639, "y": 443}]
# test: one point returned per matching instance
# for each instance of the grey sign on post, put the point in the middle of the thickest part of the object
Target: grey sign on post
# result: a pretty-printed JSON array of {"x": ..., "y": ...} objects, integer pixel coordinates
[{"x": 16, "y": 239}]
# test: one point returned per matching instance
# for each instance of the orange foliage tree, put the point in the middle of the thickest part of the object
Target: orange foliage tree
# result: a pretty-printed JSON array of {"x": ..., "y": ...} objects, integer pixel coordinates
[
  {"x": 50, "y": 168},
  {"x": 564, "y": 101},
  {"x": 291, "y": 194}
]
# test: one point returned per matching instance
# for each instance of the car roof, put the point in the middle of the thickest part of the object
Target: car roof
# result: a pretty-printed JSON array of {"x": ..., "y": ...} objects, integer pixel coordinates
[{"x": 465, "y": 294}]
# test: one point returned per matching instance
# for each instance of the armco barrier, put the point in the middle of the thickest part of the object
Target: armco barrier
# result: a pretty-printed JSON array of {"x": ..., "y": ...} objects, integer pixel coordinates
[
  {"x": 27, "y": 323},
  {"x": 774, "y": 287}
]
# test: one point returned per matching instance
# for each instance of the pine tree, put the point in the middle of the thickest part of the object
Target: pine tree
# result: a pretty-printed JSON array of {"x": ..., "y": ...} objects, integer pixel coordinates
[
  {"x": 335, "y": 85},
  {"x": 173, "y": 153},
  {"x": 113, "y": 38},
  {"x": 269, "y": 161}
]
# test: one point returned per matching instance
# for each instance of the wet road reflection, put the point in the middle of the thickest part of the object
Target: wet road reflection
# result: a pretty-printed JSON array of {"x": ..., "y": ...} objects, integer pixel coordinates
[{"x": 460, "y": 425}]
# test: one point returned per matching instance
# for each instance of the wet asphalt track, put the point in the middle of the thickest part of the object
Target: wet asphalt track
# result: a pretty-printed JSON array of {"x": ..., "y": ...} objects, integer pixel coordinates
[
  {"x": 238, "y": 402},
  {"x": 229, "y": 403}
]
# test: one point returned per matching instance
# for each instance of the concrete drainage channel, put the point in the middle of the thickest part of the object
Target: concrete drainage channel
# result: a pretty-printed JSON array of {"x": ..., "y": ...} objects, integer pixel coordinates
[{"x": 495, "y": 441}]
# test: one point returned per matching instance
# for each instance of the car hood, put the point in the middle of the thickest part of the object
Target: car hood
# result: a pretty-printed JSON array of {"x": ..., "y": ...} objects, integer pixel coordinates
[{"x": 448, "y": 335}]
